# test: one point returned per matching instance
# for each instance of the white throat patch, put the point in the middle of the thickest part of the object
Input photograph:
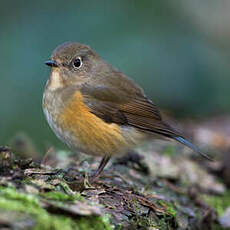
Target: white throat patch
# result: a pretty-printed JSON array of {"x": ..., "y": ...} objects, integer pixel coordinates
[{"x": 55, "y": 80}]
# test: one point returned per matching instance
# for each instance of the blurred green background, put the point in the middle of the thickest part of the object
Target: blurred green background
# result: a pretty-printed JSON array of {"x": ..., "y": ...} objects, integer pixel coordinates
[{"x": 178, "y": 51}]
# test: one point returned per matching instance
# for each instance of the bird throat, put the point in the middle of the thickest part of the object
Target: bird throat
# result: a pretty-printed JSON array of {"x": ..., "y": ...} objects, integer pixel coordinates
[{"x": 55, "y": 81}]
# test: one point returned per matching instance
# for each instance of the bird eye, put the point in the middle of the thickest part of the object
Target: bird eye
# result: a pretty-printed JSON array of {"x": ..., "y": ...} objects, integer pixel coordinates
[{"x": 77, "y": 63}]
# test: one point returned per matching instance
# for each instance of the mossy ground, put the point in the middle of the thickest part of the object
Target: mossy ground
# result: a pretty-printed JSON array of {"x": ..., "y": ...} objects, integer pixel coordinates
[
  {"x": 12, "y": 200},
  {"x": 219, "y": 203},
  {"x": 127, "y": 196}
]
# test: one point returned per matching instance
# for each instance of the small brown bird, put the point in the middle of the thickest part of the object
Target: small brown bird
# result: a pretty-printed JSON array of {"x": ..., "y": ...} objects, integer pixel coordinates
[{"x": 93, "y": 107}]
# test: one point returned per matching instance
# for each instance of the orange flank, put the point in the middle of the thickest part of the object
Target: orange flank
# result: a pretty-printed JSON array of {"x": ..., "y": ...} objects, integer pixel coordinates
[{"x": 91, "y": 133}]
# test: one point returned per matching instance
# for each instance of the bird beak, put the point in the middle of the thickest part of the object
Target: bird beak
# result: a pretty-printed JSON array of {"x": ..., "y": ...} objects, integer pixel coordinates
[{"x": 51, "y": 63}]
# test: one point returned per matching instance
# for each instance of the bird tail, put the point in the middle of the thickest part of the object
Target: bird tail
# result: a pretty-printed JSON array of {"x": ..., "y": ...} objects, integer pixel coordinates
[{"x": 191, "y": 146}]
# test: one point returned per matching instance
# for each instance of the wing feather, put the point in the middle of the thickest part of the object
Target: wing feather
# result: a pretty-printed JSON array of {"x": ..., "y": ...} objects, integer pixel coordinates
[{"x": 125, "y": 109}]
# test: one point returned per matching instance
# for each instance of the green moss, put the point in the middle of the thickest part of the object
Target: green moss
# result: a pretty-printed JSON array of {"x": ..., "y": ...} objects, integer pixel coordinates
[
  {"x": 161, "y": 222},
  {"x": 10, "y": 193},
  {"x": 12, "y": 200},
  {"x": 59, "y": 196},
  {"x": 220, "y": 203},
  {"x": 169, "y": 207},
  {"x": 66, "y": 188}
]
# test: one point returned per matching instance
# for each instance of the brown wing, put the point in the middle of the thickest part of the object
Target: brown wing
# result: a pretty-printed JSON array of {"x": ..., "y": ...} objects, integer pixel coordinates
[{"x": 122, "y": 108}]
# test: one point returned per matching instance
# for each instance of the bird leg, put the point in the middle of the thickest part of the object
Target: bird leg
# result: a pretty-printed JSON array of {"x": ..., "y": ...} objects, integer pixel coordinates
[{"x": 100, "y": 168}]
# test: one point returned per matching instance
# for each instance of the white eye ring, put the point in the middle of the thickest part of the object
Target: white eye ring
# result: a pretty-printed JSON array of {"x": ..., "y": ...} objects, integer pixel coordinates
[{"x": 77, "y": 63}]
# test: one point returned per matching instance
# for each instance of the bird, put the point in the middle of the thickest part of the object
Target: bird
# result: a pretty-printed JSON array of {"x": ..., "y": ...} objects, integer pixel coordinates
[{"x": 95, "y": 108}]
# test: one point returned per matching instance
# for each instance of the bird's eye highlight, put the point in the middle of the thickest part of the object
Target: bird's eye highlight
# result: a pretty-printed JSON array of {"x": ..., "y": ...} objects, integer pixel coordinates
[{"x": 77, "y": 63}]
